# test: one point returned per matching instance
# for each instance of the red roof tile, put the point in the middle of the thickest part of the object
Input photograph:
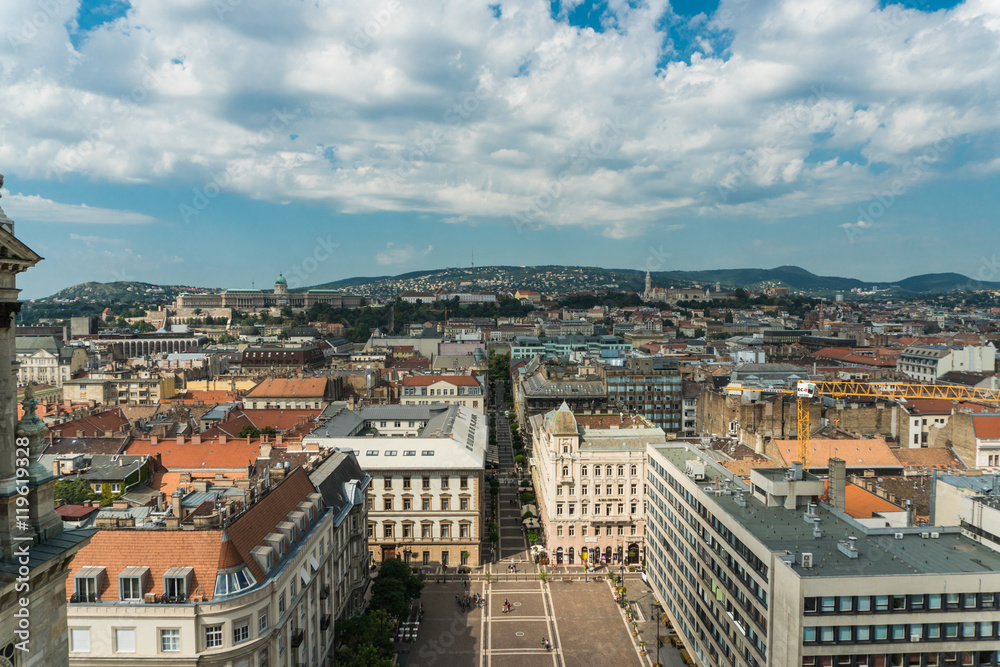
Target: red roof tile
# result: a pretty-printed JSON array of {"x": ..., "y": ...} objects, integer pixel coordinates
[
  {"x": 159, "y": 550},
  {"x": 284, "y": 387},
  {"x": 248, "y": 530},
  {"x": 987, "y": 426},
  {"x": 872, "y": 452},
  {"x": 211, "y": 454}
]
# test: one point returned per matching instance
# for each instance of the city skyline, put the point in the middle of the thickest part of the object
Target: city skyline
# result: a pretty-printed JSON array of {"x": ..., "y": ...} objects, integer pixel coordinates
[{"x": 140, "y": 142}]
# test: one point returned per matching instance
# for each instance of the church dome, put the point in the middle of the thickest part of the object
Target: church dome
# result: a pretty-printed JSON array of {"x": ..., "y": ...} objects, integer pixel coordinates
[{"x": 281, "y": 280}]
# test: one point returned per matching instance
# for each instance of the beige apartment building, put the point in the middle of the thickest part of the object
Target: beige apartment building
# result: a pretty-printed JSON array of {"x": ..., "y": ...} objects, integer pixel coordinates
[
  {"x": 761, "y": 574},
  {"x": 589, "y": 473},
  {"x": 259, "y": 587},
  {"x": 120, "y": 388},
  {"x": 449, "y": 389},
  {"x": 426, "y": 463}
]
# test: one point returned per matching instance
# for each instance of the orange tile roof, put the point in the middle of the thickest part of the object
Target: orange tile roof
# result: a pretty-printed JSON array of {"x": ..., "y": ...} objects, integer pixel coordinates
[
  {"x": 248, "y": 530},
  {"x": 427, "y": 380},
  {"x": 987, "y": 426},
  {"x": 209, "y": 397},
  {"x": 159, "y": 550},
  {"x": 928, "y": 457},
  {"x": 234, "y": 454},
  {"x": 742, "y": 467},
  {"x": 94, "y": 425},
  {"x": 610, "y": 421},
  {"x": 872, "y": 452},
  {"x": 284, "y": 387},
  {"x": 860, "y": 503}
]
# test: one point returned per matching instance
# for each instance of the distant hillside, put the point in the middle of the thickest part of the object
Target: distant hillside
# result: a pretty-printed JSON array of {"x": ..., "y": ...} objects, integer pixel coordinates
[
  {"x": 118, "y": 292},
  {"x": 550, "y": 278}
]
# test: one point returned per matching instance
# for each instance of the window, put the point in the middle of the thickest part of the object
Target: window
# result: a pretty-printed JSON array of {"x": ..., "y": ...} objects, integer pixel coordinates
[
  {"x": 124, "y": 640},
  {"x": 565, "y": 471},
  {"x": 387, "y": 530},
  {"x": 241, "y": 631},
  {"x": 583, "y": 531},
  {"x": 881, "y": 603},
  {"x": 425, "y": 482},
  {"x": 371, "y": 530},
  {"x": 213, "y": 636},
  {"x": 262, "y": 621},
  {"x": 621, "y": 471},
  {"x": 463, "y": 504},
  {"x": 583, "y": 471},
  {"x": 934, "y": 601},
  {"x": 407, "y": 530},
  {"x": 116, "y": 487},
  {"x": 79, "y": 640},
  {"x": 572, "y": 531},
  {"x": 463, "y": 530},
  {"x": 445, "y": 503},
  {"x": 387, "y": 483},
  {"x": 583, "y": 489},
  {"x": 898, "y": 602},
  {"x": 130, "y": 584},
  {"x": 406, "y": 482},
  {"x": 632, "y": 472},
  {"x": 559, "y": 509},
  {"x": 608, "y": 489},
  {"x": 390, "y": 452},
  {"x": 969, "y": 600},
  {"x": 844, "y": 604},
  {"x": 444, "y": 481},
  {"x": 425, "y": 504},
  {"x": 426, "y": 558},
  {"x": 621, "y": 489},
  {"x": 409, "y": 452},
  {"x": 609, "y": 471},
  {"x": 597, "y": 489},
  {"x": 572, "y": 509},
  {"x": 844, "y": 633},
  {"x": 387, "y": 504},
  {"x": 170, "y": 640},
  {"x": 281, "y": 603},
  {"x": 583, "y": 508},
  {"x": 463, "y": 482},
  {"x": 632, "y": 489},
  {"x": 559, "y": 531},
  {"x": 446, "y": 530},
  {"x": 406, "y": 504},
  {"x": 826, "y": 634},
  {"x": 863, "y": 633},
  {"x": 425, "y": 530}
]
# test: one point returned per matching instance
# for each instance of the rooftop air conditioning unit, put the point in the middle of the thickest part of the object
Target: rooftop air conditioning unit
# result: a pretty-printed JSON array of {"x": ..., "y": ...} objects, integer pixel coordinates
[
  {"x": 925, "y": 535},
  {"x": 898, "y": 536},
  {"x": 935, "y": 535},
  {"x": 807, "y": 561}
]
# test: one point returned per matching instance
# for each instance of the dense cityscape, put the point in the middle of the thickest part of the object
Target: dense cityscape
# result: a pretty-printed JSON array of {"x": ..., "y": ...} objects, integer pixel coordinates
[{"x": 499, "y": 334}]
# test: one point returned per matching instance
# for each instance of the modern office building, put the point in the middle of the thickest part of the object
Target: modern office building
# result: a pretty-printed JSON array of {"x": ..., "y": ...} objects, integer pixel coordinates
[{"x": 762, "y": 574}]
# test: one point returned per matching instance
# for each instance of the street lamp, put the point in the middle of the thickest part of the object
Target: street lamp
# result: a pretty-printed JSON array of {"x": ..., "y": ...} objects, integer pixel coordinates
[{"x": 657, "y": 619}]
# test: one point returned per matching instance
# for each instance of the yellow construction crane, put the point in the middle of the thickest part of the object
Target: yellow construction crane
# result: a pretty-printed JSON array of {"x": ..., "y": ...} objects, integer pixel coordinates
[{"x": 805, "y": 389}]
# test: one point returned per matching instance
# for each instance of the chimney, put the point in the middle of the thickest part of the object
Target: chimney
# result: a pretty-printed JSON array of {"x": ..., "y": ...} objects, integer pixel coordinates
[
  {"x": 196, "y": 439},
  {"x": 153, "y": 440},
  {"x": 180, "y": 440},
  {"x": 265, "y": 450},
  {"x": 79, "y": 433},
  {"x": 175, "y": 503},
  {"x": 222, "y": 439},
  {"x": 837, "y": 482},
  {"x": 159, "y": 501}
]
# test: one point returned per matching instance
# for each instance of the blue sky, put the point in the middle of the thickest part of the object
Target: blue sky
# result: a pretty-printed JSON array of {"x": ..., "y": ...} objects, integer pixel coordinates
[{"x": 221, "y": 143}]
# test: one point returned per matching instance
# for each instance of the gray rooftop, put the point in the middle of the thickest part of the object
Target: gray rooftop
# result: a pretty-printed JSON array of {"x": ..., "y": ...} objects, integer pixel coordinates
[{"x": 880, "y": 553}]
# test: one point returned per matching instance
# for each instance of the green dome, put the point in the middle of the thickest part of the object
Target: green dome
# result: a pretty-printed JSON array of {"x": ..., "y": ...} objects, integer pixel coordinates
[{"x": 281, "y": 280}]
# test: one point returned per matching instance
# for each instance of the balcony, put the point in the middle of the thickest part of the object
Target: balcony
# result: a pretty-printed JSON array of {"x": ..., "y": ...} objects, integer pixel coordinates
[
  {"x": 297, "y": 637},
  {"x": 83, "y": 598}
]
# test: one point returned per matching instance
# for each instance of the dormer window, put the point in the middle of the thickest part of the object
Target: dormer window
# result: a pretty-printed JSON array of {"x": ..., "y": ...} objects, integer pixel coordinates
[
  {"x": 87, "y": 584},
  {"x": 264, "y": 557},
  {"x": 234, "y": 580},
  {"x": 132, "y": 583},
  {"x": 177, "y": 583}
]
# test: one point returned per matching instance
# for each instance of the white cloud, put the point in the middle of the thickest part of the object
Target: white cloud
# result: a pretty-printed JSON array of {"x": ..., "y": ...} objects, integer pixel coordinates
[
  {"x": 447, "y": 110},
  {"x": 860, "y": 224},
  {"x": 394, "y": 255},
  {"x": 35, "y": 208}
]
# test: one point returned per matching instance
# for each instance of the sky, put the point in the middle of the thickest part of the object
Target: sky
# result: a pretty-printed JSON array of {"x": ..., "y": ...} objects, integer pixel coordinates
[{"x": 220, "y": 143}]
